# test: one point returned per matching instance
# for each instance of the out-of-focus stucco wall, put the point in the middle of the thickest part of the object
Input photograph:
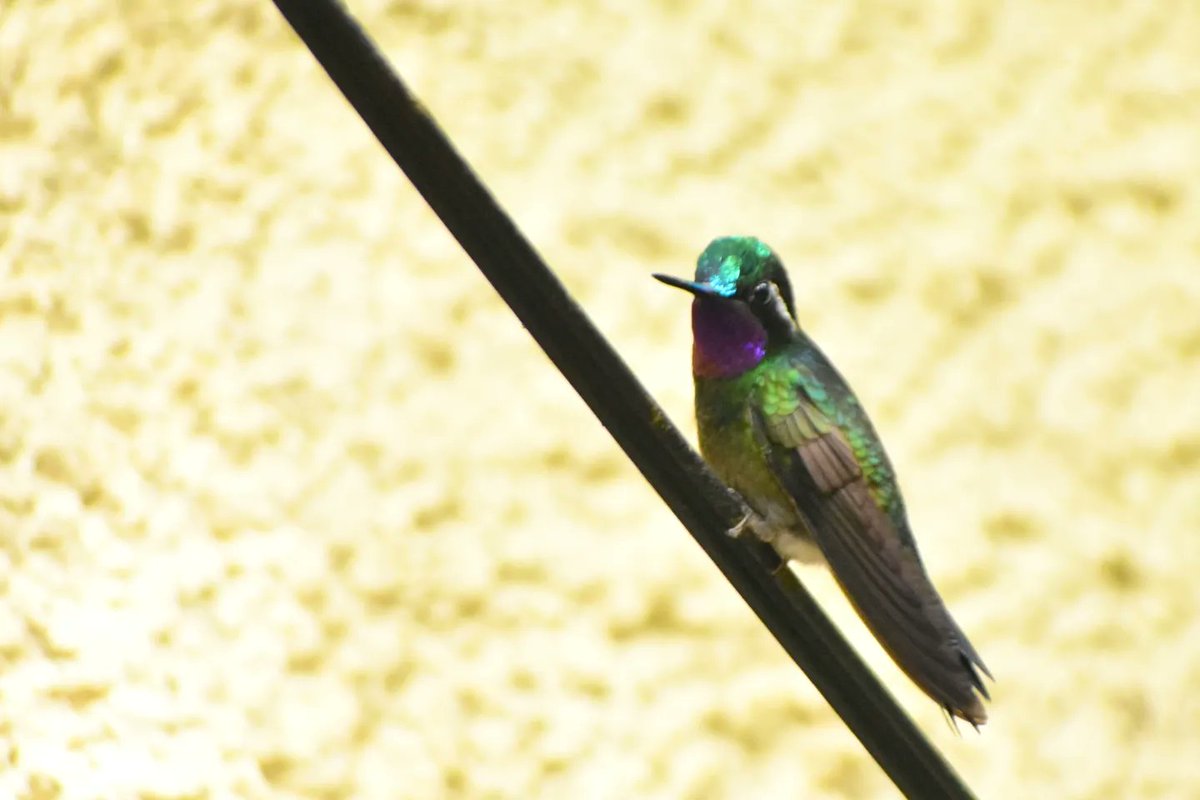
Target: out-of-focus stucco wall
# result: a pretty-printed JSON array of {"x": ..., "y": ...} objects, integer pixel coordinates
[{"x": 291, "y": 507}]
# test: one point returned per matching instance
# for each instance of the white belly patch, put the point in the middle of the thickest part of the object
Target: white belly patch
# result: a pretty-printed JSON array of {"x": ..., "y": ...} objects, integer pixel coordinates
[{"x": 780, "y": 528}]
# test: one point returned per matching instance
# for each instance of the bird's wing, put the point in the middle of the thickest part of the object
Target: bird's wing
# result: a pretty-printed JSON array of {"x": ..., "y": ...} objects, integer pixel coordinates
[{"x": 882, "y": 575}]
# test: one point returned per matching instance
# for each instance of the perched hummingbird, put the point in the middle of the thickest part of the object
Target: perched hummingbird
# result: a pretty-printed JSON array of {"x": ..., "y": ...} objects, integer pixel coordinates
[{"x": 780, "y": 426}]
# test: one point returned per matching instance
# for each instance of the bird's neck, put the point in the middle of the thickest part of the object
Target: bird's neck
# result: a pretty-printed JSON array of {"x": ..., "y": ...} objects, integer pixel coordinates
[{"x": 727, "y": 339}]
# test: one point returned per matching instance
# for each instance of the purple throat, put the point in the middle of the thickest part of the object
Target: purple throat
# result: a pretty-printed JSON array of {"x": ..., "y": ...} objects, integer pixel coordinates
[{"x": 727, "y": 339}]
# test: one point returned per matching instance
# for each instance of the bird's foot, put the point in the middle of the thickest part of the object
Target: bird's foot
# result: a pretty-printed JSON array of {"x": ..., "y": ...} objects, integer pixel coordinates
[
  {"x": 737, "y": 530},
  {"x": 757, "y": 526},
  {"x": 751, "y": 522}
]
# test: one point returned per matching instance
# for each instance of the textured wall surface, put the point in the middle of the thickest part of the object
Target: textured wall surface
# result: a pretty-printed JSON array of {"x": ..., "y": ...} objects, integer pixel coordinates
[{"x": 291, "y": 507}]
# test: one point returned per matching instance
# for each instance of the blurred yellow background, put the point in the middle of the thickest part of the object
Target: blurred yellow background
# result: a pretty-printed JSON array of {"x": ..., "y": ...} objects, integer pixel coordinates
[{"x": 292, "y": 507}]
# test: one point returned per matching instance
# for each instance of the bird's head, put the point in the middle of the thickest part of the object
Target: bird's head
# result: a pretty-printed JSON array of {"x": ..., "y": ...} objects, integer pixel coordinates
[{"x": 743, "y": 304}]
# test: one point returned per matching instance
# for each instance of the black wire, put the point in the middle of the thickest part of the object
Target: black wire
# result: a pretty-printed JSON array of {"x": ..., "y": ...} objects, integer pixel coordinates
[{"x": 616, "y": 397}]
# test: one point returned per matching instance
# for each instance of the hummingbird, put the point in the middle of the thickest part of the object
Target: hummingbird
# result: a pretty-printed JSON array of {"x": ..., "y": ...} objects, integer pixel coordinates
[{"x": 781, "y": 427}]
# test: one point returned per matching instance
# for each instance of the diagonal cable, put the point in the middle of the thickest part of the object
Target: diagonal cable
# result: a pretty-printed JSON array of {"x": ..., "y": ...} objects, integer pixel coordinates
[{"x": 606, "y": 384}]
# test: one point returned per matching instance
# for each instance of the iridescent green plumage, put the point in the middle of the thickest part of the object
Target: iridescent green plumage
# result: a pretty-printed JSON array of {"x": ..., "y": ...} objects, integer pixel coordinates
[{"x": 782, "y": 428}]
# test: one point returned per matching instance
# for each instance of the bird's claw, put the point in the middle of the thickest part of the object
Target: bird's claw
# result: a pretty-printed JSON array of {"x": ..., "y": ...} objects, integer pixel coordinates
[
  {"x": 755, "y": 524},
  {"x": 750, "y": 522},
  {"x": 737, "y": 530}
]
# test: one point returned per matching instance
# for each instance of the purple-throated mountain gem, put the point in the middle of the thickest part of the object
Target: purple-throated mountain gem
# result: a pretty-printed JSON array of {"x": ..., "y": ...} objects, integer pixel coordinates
[{"x": 780, "y": 426}]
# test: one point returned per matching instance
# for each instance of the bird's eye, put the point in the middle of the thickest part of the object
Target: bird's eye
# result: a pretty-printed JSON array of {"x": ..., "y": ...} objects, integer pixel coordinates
[{"x": 761, "y": 294}]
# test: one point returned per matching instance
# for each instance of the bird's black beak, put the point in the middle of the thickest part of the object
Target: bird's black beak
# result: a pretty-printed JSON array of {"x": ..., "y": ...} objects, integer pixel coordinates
[{"x": 698, "y": 289}]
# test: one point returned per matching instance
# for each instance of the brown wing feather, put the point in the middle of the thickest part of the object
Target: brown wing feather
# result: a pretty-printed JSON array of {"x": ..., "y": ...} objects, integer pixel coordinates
[{"x": 882, "y": 577}]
